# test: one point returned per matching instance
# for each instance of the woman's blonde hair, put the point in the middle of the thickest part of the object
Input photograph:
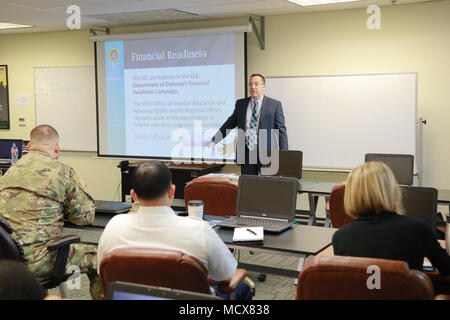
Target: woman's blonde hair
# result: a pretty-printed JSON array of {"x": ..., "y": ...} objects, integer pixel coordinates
[{"x": 371, "y": 188}]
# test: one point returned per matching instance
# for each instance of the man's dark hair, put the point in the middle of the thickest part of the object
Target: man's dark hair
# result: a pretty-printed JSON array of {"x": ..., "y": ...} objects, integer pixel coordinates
[
  {"x": 151, "y": 180},
  {"x": 17, "y": 282},
  {"x": 259, "y": 75}
]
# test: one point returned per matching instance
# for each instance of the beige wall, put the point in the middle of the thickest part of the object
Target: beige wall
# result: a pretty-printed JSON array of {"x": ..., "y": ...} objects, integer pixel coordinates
[{"x": 413, "y": 38}]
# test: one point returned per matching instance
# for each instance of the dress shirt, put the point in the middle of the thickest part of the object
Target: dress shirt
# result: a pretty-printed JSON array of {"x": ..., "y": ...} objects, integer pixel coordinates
[
  {"x": 160, "y": 227},
  {"x": 250, "y": 107}
]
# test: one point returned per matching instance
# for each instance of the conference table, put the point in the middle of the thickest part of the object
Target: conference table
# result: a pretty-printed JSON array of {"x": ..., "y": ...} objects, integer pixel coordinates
[
  {"x": 316, "y": 189},
  {"x": 298, "y": 241}
]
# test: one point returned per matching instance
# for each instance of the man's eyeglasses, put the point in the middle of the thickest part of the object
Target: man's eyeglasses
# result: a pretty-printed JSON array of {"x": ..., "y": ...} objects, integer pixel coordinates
[{"x": 255, "y": 84}]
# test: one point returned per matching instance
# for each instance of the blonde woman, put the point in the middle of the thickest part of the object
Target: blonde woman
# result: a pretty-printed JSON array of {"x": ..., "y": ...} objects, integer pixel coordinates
[{"x": 380, "y": 231}]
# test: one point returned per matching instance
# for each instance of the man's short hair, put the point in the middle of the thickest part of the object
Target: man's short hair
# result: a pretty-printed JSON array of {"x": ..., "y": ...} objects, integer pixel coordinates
[
  {"x": 17, "y": 282},
  {"x": 44, "y": 134},
  {"x": 151, "y": 180},
  {"x": 258, "y": 75}
]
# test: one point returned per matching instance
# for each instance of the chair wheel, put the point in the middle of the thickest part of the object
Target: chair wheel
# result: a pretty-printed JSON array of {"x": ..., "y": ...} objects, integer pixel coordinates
[{"x": 262, "y": 277}]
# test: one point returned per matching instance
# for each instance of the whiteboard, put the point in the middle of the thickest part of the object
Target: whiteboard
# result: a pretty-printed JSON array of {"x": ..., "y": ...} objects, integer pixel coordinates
[
  {"x": 336, "y": 120},
  {"x": 65, "y": 99}
]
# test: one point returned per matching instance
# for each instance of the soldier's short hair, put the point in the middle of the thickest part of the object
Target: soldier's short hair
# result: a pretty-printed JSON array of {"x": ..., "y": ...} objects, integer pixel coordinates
[
  {"x": 44, "y": 134},
  {"x": 151, "y": 180}
]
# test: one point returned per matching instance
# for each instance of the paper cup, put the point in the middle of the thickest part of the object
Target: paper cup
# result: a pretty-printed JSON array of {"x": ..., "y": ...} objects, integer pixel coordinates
[{"x": 195, "y": 209}]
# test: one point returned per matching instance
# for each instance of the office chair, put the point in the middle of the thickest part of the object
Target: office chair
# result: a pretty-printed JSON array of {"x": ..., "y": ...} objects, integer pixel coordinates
[
  {"x": 218, "y": 194},
  {"x": 349, "y": 278},
  {"x": 335, "y": 207},
  {"x": 402, "y": 165},
  {"x": 11, "y": 249},
  {"x": 163, "y": 268}
]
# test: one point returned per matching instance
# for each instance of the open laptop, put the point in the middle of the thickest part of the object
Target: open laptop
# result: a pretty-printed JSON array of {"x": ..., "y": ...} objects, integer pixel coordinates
[
  {"x": 118, "y": 290},
  {"x": 420, "y": 203},
  {"x": 290, "y": 164},
  {"x": 402, "y": 165},
  {"x": 5, "y": 149},
  {"x": 264, "y": 201},
  {"x": 112, "y": 207}
]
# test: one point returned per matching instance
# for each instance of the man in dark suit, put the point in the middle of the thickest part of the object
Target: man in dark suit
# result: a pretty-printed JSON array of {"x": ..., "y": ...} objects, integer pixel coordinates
[{"x": 260, "y": 123}]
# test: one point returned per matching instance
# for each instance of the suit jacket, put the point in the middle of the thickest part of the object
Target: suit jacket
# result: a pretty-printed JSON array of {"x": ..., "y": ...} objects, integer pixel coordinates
[{"x": 271, "y": 117}]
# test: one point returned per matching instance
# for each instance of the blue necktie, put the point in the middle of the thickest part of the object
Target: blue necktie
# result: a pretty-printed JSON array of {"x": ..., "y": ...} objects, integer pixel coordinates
[{"x": 252, "y": 133}]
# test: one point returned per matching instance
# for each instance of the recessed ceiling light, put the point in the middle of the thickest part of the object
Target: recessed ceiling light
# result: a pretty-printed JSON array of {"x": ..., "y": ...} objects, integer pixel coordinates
[
  {"x": 318, "y": 2},
  {"x": 5, "y": 25}
]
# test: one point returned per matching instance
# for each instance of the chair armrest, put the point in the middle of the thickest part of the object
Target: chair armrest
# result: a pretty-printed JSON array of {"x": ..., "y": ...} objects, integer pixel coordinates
[
  {"x": 63, "y": 241},
  {"x": 229, "y": 286},
  {"x": 62, "y": 245}
]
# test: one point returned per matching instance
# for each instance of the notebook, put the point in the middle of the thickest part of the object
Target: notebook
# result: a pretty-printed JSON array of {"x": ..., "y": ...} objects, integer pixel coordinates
[
  {"x": 249, "y": 235},
  {"x": 118, "y": 290},
  {"x": 264, "y": 201}
]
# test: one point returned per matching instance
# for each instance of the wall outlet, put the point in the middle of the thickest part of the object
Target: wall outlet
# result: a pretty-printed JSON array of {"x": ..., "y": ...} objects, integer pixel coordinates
[{"x": 22, "y": 122}]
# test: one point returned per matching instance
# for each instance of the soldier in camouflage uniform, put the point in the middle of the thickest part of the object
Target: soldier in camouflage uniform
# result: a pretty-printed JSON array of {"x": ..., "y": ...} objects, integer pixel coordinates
[{"x": 36, "y": 194}]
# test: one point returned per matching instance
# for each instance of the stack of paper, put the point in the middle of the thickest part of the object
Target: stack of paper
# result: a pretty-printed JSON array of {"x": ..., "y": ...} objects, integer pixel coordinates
[
  {"x": 231, "y": 176},
  {"x": 249, "y": 234}
]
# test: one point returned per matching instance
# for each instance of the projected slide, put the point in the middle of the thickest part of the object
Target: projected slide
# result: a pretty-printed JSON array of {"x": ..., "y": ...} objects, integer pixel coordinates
[{"x": 167, "y": 97}]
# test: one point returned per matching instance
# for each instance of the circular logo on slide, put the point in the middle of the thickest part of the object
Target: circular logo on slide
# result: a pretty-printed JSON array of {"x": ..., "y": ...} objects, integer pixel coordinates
[{"x": 113, "y": 54}]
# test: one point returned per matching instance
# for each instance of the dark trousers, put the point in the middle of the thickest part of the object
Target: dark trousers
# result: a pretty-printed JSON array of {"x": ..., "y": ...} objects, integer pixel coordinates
[
  {"x": 242, "y": 293},
  {"x": 250, "y": 167}
]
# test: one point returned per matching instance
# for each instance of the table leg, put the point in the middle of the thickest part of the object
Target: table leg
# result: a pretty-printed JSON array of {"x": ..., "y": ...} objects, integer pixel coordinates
[
  {"x": 312, "y": 209},
  {"x": 327, "y": 223},
  {"x": 301, "y": 261}
]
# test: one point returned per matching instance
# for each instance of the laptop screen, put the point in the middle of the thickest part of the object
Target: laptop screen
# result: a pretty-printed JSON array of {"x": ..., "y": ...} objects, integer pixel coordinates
[
  {"x": 121, "y": 295},
  {"x": 290, "y": 163},
  {"x": 402, "y": 165},
  {"x": 420, "y": 203},
  {"x": 272, "y": 197},
  {"x": 118, "y": 290},
  {"x": 5, "y": 148}
]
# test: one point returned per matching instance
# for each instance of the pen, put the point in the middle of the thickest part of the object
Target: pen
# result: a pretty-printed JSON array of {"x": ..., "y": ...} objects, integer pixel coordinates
[{"x": 251, "y": 231}]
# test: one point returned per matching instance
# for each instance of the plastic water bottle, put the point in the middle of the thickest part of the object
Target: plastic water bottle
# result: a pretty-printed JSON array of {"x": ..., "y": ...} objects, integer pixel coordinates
[{"x": 14, "y": 154}]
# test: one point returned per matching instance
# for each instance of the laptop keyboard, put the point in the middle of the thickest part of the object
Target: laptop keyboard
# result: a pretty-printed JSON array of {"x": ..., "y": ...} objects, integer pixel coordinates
[{"x": 257, "y": 222}]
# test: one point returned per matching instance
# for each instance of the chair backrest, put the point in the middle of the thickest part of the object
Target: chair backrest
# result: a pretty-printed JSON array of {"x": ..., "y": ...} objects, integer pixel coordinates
[
  {"x": 218, "y": 194},
  {"x": 402, "y": 165},
  {"x": 338, "y": 216},
  {"x": 156, "y": 267},
  {"x": 9, "y": 248},
  {"x": 352, "y": 278}
]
